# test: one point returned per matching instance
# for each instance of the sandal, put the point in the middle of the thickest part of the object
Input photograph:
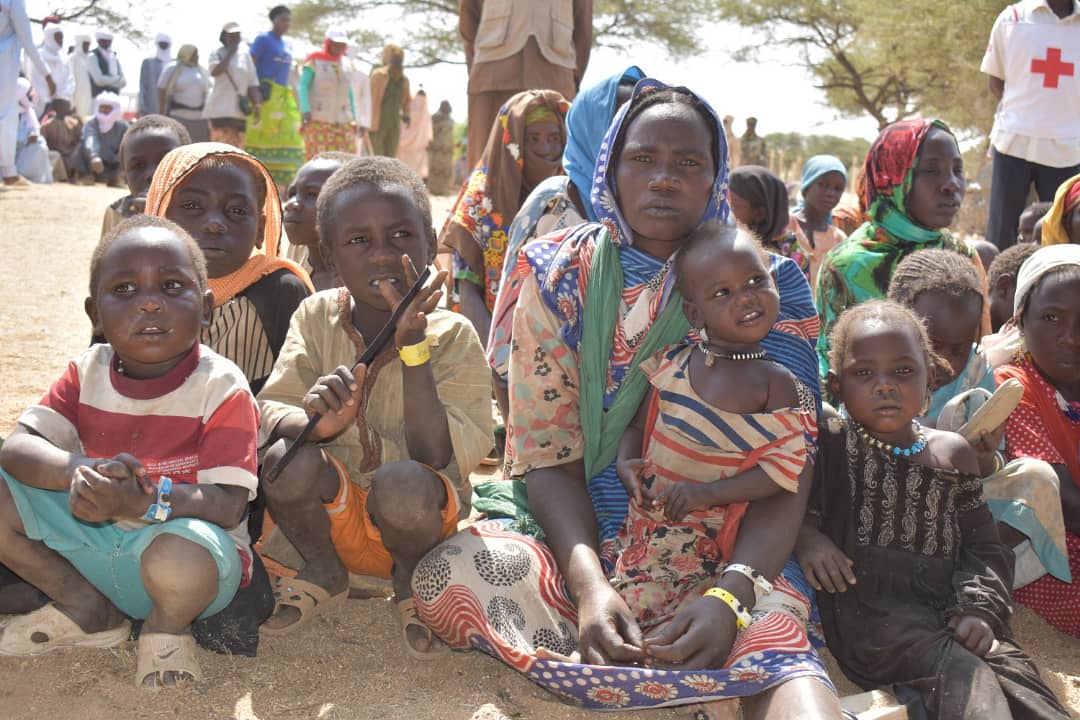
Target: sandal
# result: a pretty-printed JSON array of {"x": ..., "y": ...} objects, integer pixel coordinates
[
  {"x": 59, "y": 631},
  {"x": 307, "y": 597},
  {"x": 406, "y": 616},
  {"x": 159, "y": 653}
]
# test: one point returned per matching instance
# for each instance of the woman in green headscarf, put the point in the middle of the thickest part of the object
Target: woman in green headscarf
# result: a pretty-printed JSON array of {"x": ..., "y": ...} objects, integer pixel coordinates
[{"x": 914, "y": 184}]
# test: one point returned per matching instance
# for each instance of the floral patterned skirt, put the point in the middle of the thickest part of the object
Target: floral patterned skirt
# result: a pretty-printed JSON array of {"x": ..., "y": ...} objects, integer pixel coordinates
[
  {"x": 501, "y": 592},
  {"x": 320, "y": 137}
]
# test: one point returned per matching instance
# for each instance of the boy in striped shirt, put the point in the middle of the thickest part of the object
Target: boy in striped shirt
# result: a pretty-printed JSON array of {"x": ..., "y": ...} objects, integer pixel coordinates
[{"x": 125, "y": 487}]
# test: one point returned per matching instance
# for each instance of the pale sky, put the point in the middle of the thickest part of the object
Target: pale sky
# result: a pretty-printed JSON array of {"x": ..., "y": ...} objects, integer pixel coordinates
[{"x": 774, "y": 89}]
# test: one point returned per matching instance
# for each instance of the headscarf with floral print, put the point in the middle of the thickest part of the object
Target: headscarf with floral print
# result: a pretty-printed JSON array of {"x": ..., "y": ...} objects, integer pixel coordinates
[{"x": 493, "y": 194}]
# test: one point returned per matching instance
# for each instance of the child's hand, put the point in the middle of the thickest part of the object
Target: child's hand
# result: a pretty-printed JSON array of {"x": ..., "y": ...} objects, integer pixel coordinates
[
  {"x": 411, "y": 327},
  {"x": 115, "y": 489},
  {"x": 973, "y": 633},
  {"x": 681, "y": 498},
  {"x": 986, "y": 445},
  {"x": 337, "y": 398},
  {"x": 825, "y": 566},
  {"x": 632, "y": 471}
]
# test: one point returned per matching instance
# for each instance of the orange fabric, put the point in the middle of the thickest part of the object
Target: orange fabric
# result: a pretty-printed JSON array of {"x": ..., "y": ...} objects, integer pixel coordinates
[
  {"x": 264, "y": 258},
  {"x": 356, "y": 540}
]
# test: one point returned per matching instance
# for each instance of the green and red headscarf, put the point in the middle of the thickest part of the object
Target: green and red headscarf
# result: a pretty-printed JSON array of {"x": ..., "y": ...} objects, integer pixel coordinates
[{"x": 860, "y": 268}]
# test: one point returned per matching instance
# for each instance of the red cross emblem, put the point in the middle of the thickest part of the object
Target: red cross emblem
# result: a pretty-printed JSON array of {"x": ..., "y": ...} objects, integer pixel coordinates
[{"x": 1052, "y": 67}]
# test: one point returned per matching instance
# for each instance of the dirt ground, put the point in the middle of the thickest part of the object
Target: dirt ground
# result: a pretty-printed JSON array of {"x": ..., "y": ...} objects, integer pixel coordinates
[{"x": 350, "y": 662}]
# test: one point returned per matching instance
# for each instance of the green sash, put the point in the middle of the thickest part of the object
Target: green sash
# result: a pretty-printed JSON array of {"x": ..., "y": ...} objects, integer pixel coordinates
[{"x": 603, "y": 430}]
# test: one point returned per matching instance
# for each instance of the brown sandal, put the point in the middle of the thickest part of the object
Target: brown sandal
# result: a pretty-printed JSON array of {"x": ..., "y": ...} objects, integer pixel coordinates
[
  {"x": 308, "y": 598},
  {"x": 405, "y": 613}
]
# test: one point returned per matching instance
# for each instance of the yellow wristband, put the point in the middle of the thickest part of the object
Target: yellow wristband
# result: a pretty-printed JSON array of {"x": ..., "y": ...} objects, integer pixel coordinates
[
  {"x": 413, "y": 355},
  {"x": 742, "y": 615}
]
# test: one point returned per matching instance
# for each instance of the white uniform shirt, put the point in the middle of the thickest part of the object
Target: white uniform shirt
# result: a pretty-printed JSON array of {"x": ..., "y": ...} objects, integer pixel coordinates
[{"x": 1037, "y": 54}]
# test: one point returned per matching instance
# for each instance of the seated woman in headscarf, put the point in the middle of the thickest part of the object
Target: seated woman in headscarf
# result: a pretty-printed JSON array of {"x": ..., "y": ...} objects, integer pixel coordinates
[
  {"x": 759, "y": 201},
  {"x": 1062, "y": 223},
  {"x": 913, "y": 189},
  {"x": 560, "y": 202},
  {"x": 524, "y": 149},
  {"x": 596, "y": 300},
  {"x": 182, "y": 91}
]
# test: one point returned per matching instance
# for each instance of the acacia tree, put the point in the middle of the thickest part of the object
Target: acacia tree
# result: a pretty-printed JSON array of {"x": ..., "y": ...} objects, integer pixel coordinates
[
  {"x": 433, "y": 38},
  {"x": 97, "y": 12},
  {"x": 889, "y": 61}
]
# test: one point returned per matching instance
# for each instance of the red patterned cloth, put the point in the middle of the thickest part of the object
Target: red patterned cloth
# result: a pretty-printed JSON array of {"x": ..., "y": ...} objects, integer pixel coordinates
[
  {"x": 1038, "y": 428},
  {"x": 1055, "y": 601}
]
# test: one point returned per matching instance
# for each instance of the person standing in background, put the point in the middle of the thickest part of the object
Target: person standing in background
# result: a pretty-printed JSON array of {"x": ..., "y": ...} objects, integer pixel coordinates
[
  {"x": 79, "y": 62},
  {"x": 734, "y": 147},
  {"x": 417, "y": 137},
  {"x": 51, "y": 46},
  {"x": 361, "y": 90},
  {"x": 327, "y": 112},
  {"x": 517, "y": 45},
  {"x": 441, "y": 152},
  {"x": 752, "y": 146},
  {"x": 275, "y": 138},
  {"x": 235, "y": 81},
  {"x": 150, "y": 73},
  {"x": 14, "y": 35},
  {"x": 106, "y": 73},
  {"x": 390, "y": 102},
  {"x": 1033, "y": 64},
  {"x": 183, "y": 89}
]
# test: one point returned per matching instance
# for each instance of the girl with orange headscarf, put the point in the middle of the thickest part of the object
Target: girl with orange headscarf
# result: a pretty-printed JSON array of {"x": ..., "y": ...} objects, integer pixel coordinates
[{"x": 227, "y": 201}]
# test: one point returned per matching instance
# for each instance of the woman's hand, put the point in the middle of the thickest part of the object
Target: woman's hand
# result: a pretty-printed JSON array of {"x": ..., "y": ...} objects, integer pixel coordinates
[
  {"x": 608, "y": 634},
  {"x": 699, "y": 636},
  {"x": 336, "y": 397},
  {"x": 412, "y": 327},
  {"x": 825, "y": 566},
  {"x": 973, "y": 633}
]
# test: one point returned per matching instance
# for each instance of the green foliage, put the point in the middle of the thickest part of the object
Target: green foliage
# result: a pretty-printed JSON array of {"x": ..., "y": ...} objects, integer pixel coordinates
[
  {"x": 793, "y": 149},
  {"x": 432, "y": 25},
  {"x": 887, "y": 60}
]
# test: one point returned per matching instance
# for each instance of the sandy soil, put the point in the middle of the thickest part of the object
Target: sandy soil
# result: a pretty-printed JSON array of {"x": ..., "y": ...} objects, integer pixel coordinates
[{"x": 350, "y": 662}]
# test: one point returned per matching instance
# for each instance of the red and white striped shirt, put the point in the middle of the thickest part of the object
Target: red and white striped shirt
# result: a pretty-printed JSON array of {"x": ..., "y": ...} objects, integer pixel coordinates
[{"x": 198, "y": 423}]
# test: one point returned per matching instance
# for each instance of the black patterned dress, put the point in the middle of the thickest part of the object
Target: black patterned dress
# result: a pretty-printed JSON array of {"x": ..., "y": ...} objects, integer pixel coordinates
[{"x": 925, "y": 549}]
